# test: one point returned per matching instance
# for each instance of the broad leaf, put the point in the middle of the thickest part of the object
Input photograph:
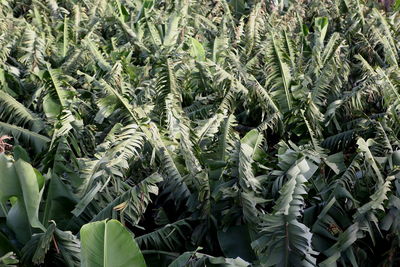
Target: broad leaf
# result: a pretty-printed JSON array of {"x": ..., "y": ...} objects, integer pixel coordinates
[{"x": 109, "y": 244}]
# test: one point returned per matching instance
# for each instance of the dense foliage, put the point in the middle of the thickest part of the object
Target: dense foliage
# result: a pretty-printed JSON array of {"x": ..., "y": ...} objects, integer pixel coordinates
[{"x": 219, "y": 133}]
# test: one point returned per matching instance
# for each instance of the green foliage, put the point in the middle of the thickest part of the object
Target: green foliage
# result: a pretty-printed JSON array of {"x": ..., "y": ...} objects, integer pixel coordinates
[
  {"x": 219, "y": 133},
  {"x": 108, "y": 243}
]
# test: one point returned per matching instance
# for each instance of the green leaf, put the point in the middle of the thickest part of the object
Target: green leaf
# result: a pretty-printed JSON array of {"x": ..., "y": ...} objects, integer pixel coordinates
[
  {"x": 197, "y": 50},
  {"x": 172, "y": 30},
  {"x": 59, "y": 202},
  {"x": 8, "y": 260},
  {"x": 284, "y": 239},
  {"x": 16, "y": 113},
  {"x": 321, "y": 24},
  {"x": 254, "y": 139},
  {"x": 30, "y": 191},
  {"x": 135, "y": 200},
  {"x": 65, "y": 37},
  {"x": 199, "y": 259},
  {"x": 5, "y": 245},
  {"x": 62, "y": 94},
  {"x": 19, "y": 180},
  {"x": 235, "y": 242},
  {"x": 109, "y": 244},
  {"x": 37, "y": 141},
  {"x": 44, "y": 244},
  {"x": 170, "y": 236},
  {"x": 345, "y": 240},
  {"x": 396, "y": 5},
  {"x": 279, "y": 76},
  {"x": 336, "y": 162},
  {"x": 20, "y": 153},
  {"x": 50, "y": 106},
  {"x": 238, "y": 6},
  {"x": 40, "y": 247}
]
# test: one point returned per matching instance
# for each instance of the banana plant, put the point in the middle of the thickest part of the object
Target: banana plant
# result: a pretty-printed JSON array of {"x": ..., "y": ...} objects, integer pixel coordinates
[{"x": 198, "y": 133}]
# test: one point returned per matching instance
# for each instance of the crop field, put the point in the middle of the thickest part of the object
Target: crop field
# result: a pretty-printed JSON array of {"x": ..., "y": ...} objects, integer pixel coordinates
[{"x": 173, "y": 133}]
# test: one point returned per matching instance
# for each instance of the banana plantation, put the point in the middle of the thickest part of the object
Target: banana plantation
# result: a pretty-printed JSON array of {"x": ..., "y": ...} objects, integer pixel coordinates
[{"x": 199, "y": 133}]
